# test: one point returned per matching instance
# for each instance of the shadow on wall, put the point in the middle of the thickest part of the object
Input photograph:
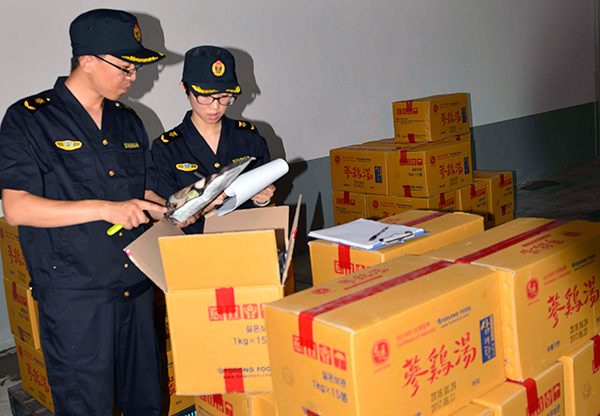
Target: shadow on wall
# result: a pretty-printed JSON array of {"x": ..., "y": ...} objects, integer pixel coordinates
[{"x": 152, "y": 38}]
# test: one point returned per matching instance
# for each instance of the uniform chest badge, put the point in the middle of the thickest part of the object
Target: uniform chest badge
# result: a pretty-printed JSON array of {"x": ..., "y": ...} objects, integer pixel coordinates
[
  {"x": 68, "y": 145},
  {"x": 186, "y": 167}
]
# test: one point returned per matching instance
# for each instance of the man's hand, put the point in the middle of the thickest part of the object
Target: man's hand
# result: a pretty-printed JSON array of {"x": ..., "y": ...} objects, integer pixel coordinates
[
  {"x": 264, "y": 196},
  {"x": 130, "y": 214}
]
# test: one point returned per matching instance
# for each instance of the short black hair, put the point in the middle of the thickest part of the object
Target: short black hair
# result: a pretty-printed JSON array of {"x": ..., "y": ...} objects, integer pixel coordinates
[
  {"x": 187, "y": 88},
  {"x": 75, "y": 63}
]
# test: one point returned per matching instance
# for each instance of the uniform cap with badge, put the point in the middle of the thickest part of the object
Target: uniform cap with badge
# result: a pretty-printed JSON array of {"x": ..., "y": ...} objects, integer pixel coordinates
[
  {"x": 210, "y": 70},
  {"x": 110, "y": 32}
]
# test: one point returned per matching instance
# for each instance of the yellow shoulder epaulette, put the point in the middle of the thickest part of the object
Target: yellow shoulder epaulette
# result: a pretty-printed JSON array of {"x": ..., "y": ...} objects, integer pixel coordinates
[
  {"x": 126, "y": 107},
  {"x": 35, "y": 102},
  {"x": 244, "y": 125},
  {"x": 166, "y": 137}
]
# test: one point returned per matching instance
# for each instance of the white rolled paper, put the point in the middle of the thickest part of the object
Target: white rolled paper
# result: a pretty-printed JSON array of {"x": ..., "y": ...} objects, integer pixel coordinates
[{"x": 250, "y": 183}]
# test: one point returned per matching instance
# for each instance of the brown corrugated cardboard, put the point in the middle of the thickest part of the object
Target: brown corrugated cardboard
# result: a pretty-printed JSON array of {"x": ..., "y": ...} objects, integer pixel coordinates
[
  {"x": 472, "y": 198},
  {"x": 13, "y": 262},
  {"x": 383, "y": 206},
  {"x": 215, "y": 286},
  {"x": 22, "y": 313},
  {"x": 330, "y": 261},
  {"x": 237, "y": 404},
  {"x": 348, "y": 206},
  {"x": 33, "y": 374},
  {"x": 582, "y": 379},
  {"x": 541, "y": 395},
  {"x": 499, "y": 190},
  {"x": 409, "y": 336},
  {"x": 550, "y": 295},
  {"x": 473, "y": 409},
  {"x": 431, "y": 118}
]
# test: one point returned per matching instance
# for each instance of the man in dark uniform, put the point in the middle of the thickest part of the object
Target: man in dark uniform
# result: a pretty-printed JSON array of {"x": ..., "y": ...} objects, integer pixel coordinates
[
  {"x": 207, "y": 140},
  {"x": 73, "y": 161}
]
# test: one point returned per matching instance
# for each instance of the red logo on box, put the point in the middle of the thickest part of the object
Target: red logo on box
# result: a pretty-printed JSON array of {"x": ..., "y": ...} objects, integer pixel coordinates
[
  {"x": 381, "y": 351},
  {"x": 571, "y": 234},
  {"x": 325, "y": 354},
  {"x": 337, "y": 159},
  {"x": 320, "y": 291},
  {"x": 250, "y": 311},
  {"x": 533, "y": 288},
  {"x": 435, "y": 108},
  {"x": 375, "y": 204},
  {"x": 432, "y": 160},
  {"x": 339, "y": 359}
]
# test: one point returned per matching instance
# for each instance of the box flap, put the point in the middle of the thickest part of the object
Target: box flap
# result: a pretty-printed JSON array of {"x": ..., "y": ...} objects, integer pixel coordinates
[
  {"x": 206, "y": 261},
  {"x": 145, "y": 253},
  {"x": 269, "y": 218}
]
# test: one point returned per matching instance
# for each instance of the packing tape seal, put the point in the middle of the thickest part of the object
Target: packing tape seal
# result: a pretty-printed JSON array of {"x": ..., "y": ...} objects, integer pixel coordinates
[
  {"x": 425, "y": 219},
  {"x": 225, "y": 300},
  {"x": 407, "y": 191},
  {"x": 306, "y": 318},
  {"x": 533, "y": 403},
  {"x": 344, "y": 258},
  {"x": 346, "y": 198},
  {"x": 473, "y": 191},
  {"x": 509, "y": 242},
  {"x": 234, "y": 380},
  {"x": 596, "y": 361}
]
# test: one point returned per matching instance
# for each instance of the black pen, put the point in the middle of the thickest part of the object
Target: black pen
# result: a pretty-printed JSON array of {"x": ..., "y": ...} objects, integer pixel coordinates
[{"x": 378, "y": 233}]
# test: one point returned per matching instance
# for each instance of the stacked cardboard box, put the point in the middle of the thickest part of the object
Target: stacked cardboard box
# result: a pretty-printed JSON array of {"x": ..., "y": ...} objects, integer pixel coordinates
[
  {"x": 23, "y": 316},
  {"x": 237, "y": 404},
  {"x": 330, "y": 261},
  {"x": 215, "y": 286},
  {"x": 429, "y": 158},
  {"x": 500, "y": 202}
]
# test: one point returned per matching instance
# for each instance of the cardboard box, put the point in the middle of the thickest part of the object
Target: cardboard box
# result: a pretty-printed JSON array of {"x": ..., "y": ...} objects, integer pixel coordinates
[
  {"x": 429, "y": 169},
  {"x": 472, "y": 198},
  {"x": 22, "y": 313},
  {"x": 431, "y": 118},
  {"x": 499, "y": 220},
  {"x": 551, "y": 296},
  {"x": 473, "y": 409},
  {"x": 409, "y": 336},
  {"x": 393, "y": 143},
  {"x": 499, "y": 190},
  {"x": 541, "y": 395},
  {"x": 330, "y": 261},
  {"x": 582, "y": 379},
  {"x": 348, "y": 206},
  {"x": 363, "y": 169},
  {"x": 215, "y": 286},
  {"x": 237, "y": 404},
  {"x": 174, "y": 404},
  {"x": 383, "y": 206},
  {"x": 13, "y": 262},
  {"x": 33, "y": 374}
]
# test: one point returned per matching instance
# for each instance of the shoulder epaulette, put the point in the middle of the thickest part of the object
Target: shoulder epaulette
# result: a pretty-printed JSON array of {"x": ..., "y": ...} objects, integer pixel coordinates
[
  {"x": 126, "y": 107},
  {"x": 166, "y": 137},
  {"x": 35, "y": 102},
  {"x": 244, "y": 125}
]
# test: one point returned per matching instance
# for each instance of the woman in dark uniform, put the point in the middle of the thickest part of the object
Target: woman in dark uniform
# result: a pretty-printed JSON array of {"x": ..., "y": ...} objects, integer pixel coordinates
[{"x": 207, "y": 140}]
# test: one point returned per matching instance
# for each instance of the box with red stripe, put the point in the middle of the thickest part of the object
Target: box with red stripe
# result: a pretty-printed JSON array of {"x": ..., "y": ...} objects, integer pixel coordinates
[
  {"x": 362, "y": 168},
  {"x": 429, "y": 169},
  {"x": 409, "y": 336},
  {"x": 540, "y": 395},
  {"x": 216, "y": 285},
  {"x": 237, "y": 404},
  {"x": 13, "y": 262},
  {"x": 472, "y": 198},
  {"x": 431, "y": 118},
  {"x": 23, "y": 313},
  {"x": 499, "y": 191},
  {"x": 330, "y": 261},
  {"x": 348, "y": 206},
  {"x": 383, "y": 206},
  {"x": 550, "y": 301},
  {"x": 582, "y": 379}
]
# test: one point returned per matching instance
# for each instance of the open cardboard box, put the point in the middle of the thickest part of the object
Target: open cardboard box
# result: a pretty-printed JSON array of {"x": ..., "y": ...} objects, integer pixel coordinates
[{"x": 216, "y": 285}]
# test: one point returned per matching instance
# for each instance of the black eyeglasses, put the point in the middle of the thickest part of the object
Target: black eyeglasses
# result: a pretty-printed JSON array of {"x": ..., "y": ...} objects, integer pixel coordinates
[
  {"x": 226, "y": 100},
  {"x": 129, "y": 72}
]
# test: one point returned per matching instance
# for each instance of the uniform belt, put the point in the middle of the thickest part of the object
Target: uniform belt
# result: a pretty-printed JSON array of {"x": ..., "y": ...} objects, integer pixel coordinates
[{"x": 133, "y": 291}]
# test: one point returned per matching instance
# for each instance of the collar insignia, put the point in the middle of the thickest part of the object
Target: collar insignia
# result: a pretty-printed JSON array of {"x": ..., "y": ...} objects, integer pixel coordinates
[
  {"x": 35, "y": 102},
  {"x": 170, "y": 135}
]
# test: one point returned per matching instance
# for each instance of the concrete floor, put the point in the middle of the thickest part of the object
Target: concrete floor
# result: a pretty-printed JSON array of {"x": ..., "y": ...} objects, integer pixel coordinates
[{"x": 572, "y": 194}]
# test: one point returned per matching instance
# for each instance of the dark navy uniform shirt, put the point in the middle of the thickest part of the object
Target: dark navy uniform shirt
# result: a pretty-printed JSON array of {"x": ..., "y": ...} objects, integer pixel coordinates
[
  {"x": 51, "y": 147},
  {"x": 182, "y": 151}
]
